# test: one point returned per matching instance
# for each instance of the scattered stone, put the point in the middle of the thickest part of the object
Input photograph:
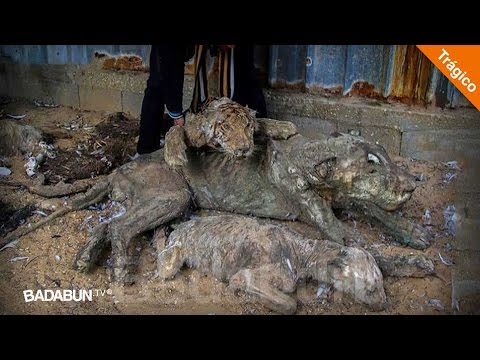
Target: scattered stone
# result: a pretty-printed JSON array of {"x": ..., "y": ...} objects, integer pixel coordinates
[
  {"x": 450, "y": 217},
  {"x": 436, "y": 304},
  {"x": 5, "y": 171}
]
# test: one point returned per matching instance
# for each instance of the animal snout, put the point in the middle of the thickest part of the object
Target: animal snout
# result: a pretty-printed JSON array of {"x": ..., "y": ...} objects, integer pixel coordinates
[{"x": 244, "y": 148}]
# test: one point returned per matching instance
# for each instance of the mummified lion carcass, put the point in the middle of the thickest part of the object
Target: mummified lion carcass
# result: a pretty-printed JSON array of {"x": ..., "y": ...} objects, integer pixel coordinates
[
  {"x": 268, "y": 260},
  {"x": 285, "y": 177}
]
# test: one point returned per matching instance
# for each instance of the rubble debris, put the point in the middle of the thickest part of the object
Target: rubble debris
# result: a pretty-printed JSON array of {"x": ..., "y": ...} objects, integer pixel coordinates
[
  {"x": 5, "y": 162},
  {"x": 436, "y": 304},
  {"x": 324, "y": 291},
  {"x": 43, "y": 104},
  {"x": 427, "y": 217},
  {"x": 452, "y": 165},
  {"x": 32, "y": 164},
  {"x": 421, "y": 177},
  {"x": 11, "y": 245},
  {"x": 450, "y": 217},
  {"x": 4, "y": 171},
  {"x": 39, "y": 212},
  {"x": 448, "y": 177},
  {"x": 16, "y": 117},
  {"x": 445, "y": 261},
  {"x": 47, "y": 149}
]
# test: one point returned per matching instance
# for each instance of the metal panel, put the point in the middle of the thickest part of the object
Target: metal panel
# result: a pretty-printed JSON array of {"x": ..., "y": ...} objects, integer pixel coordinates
[
  {"x": 365, "y": 69},
  {"x": 408, "y": 75},
  {"x": 16, "y": 53},
  {"x": 441, "y": 91},
  {"x": 326, "y": 67},
  {"x": 36, "y": 54},
  {"x": 78, "y": 54},
  {"x": 57, "y": 54},
  {"x": 397, "y": 72},
  {"x": 459, "y": 100},
  {"x": 287, "y": 66},
  {"x": 261, "y": 59},
  {"x": 92, "y": 49}
]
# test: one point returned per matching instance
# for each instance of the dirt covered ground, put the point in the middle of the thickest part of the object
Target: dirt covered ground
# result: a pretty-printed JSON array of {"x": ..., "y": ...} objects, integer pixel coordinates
[{"x": 89, "y": 144}]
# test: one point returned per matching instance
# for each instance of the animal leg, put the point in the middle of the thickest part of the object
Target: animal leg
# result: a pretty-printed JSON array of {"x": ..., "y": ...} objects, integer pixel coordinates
[
  {"x": 170, "y": 260},
  {"x": 51, "y": 191},
  {"x": 404, "y": 231},
  {"x": 89, "y": 254},
  {"x": 319, "y": 213},
  {"x": 276, "y": 129},
  {"x": 265, "y": 282},
  {"x": 139, "y": 218},
  {"x": 175, "y": 147},
  {"x": 80, "y": 201},
  {"x": 60, "y": 189}
]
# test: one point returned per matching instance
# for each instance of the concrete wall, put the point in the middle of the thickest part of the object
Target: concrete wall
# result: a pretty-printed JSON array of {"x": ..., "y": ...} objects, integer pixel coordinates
[{"x": 423, "y": 133}]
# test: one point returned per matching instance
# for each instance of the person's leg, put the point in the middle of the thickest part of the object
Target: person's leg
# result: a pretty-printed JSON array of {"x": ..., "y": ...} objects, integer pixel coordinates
[
  {"x": 174, "y": 62},
  {"x": 153, "y": 106},
  {"x": 164, "y": 87},
  {"x": 247, "y": 87}
]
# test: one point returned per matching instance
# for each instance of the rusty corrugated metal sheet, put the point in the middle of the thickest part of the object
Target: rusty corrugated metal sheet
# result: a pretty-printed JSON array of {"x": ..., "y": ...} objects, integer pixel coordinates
[
  {"x": 396, "y": 72},
  {"x": 365, "y": 70},
  {"x": 68, "y": 54},
  {"x": 287, "y": 66},
  {"x": 409, "y": 75},
  {"x": 325, "y": 71}
]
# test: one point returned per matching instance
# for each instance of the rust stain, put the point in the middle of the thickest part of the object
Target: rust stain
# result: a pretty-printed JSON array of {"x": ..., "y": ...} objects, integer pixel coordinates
[
  {"x": 411, "y": 74},
  {"x": 282, "y": 84},
  {"x": 315, "y": 89},
  {"x": 123, "y": 62},
  {"x": 190, "y": 69},
  {"x": 364, "y": 89}
]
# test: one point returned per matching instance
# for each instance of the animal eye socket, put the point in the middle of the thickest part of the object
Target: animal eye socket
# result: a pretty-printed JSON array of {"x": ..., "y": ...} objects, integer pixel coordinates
[{"x": 373, "y": 159}]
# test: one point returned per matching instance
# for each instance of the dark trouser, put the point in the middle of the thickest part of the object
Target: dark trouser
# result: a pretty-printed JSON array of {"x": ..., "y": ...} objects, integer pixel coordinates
[
  {"x": 164, "y": 88},
  {"x": 248, "y": 90}
]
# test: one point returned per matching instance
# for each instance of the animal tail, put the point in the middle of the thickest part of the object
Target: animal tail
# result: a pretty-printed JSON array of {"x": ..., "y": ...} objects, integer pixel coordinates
[{"x": 81, "y": 201}]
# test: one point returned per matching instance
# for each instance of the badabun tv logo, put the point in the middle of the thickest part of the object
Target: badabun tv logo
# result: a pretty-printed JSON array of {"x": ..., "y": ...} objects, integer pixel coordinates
[{"x": 81, "y": 295}]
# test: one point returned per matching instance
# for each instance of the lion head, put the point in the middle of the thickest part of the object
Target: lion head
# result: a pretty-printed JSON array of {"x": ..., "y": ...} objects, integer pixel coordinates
[
  {"x": 229, "y": 127},
  {"x": 352, "y": 169}
]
